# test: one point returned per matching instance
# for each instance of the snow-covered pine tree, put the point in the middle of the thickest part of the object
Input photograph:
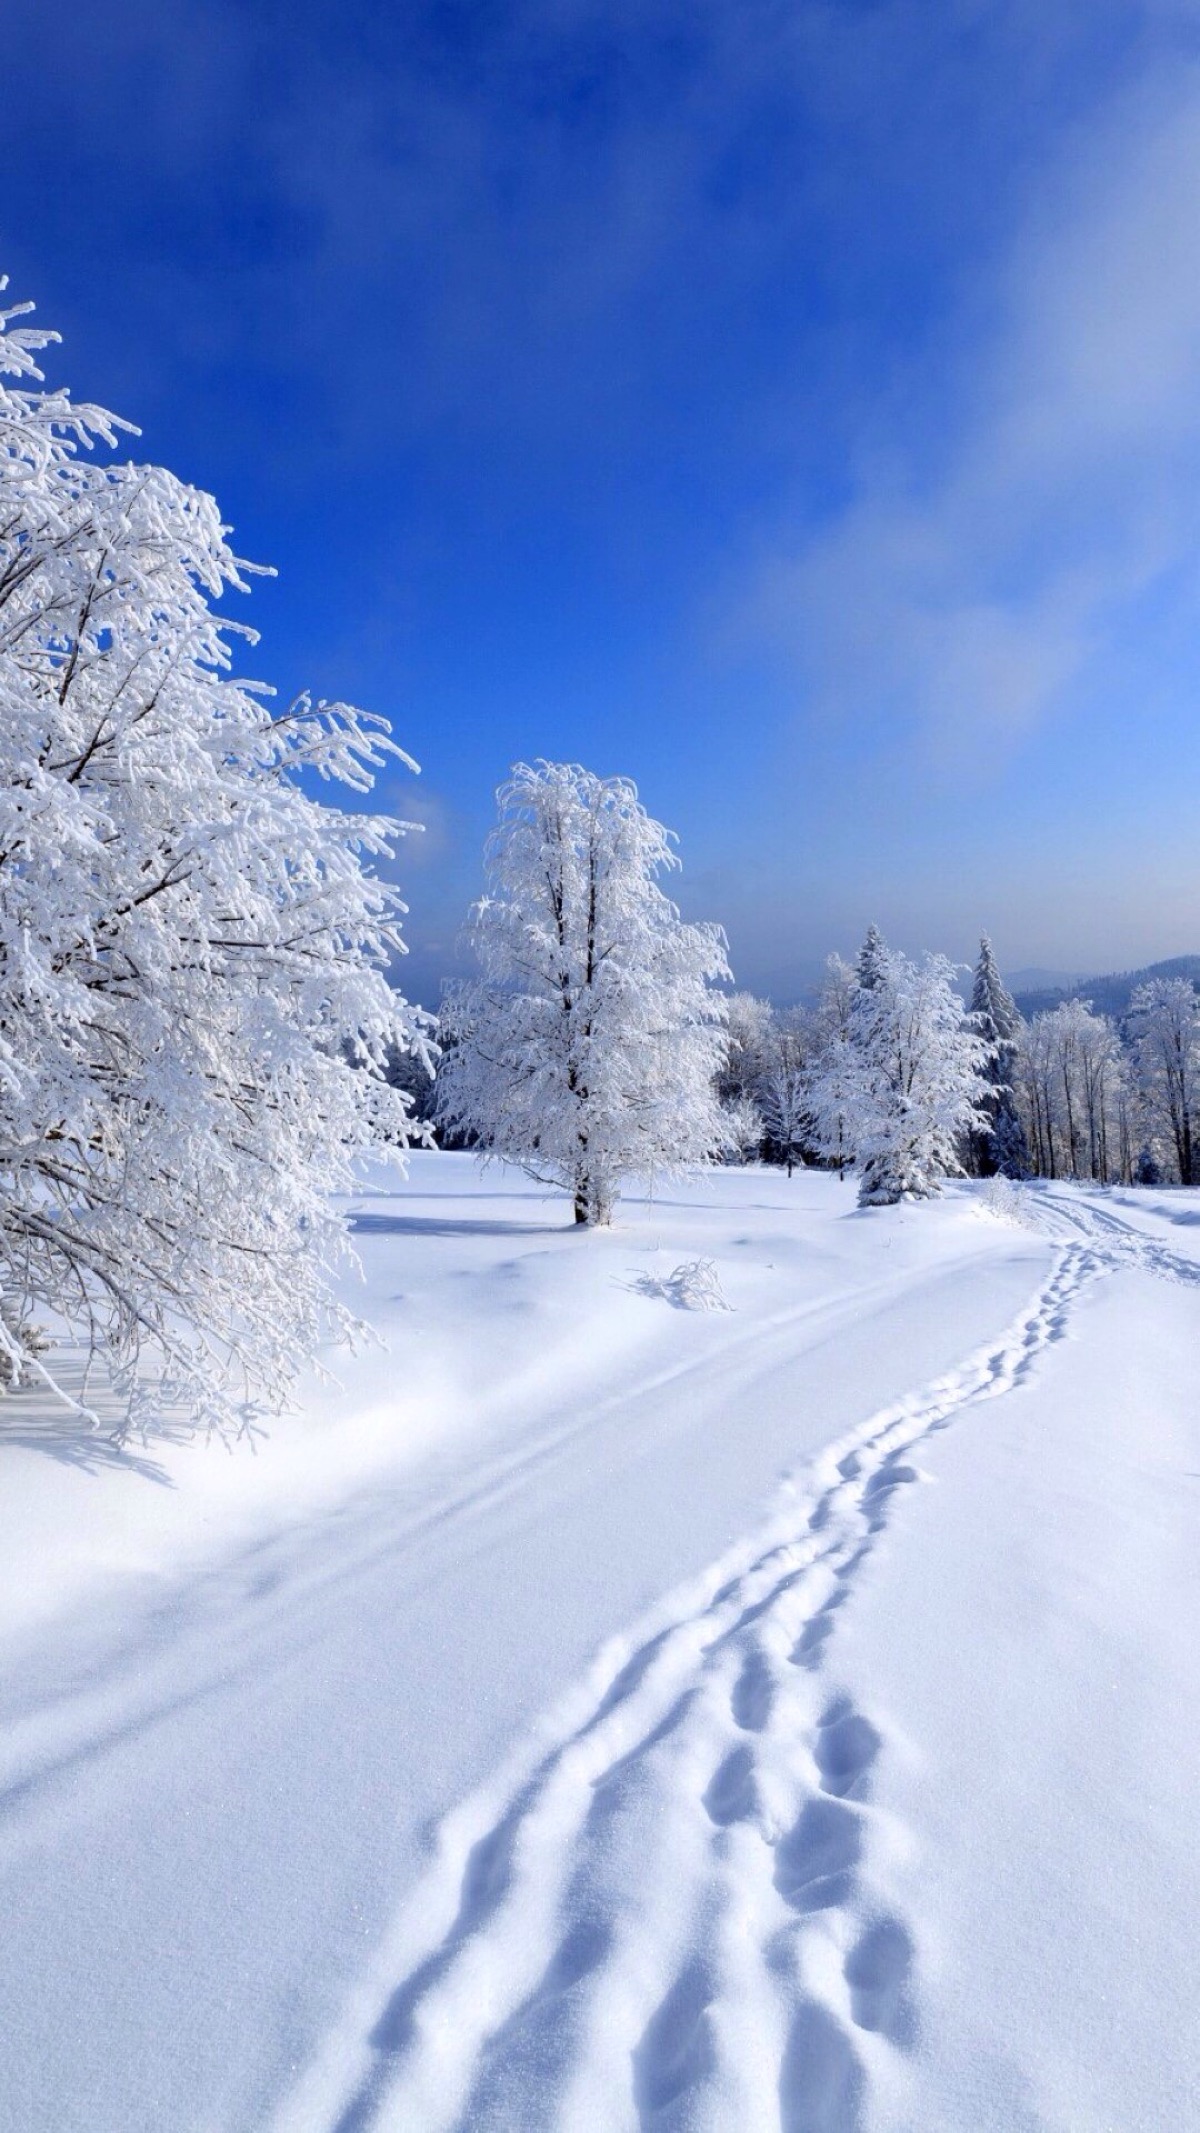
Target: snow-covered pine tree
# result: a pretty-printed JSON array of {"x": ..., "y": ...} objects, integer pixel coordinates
[
  {"x": 783, "y": 1093},
  {"x": 1000, "y": 1146},
  {"x": 586, "y": 1050},
  {"x": 186, "y": 938},
  {"x": 991, "y": 1001},
  {"x": 1008, "y": 1147},
  {"x": 916, "y": 1079},
  {"x": 872, "y": 960}
]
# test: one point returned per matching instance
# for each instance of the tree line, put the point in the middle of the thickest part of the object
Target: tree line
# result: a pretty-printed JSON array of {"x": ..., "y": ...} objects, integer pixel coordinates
[
  {"x": 595, "y": 1042},
  {"x": 1069, "y": 1094}
]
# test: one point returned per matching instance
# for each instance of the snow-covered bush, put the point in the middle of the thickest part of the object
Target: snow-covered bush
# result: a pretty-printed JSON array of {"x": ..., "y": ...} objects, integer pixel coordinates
[
  {"x": 587, "y": 1049},
  {"x": 694, "y": 1285},
  {"x": 186, "y": 937}
]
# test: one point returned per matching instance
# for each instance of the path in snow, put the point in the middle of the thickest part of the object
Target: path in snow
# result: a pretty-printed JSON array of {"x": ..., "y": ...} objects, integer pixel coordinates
[{"x": 667, "y": 1918}]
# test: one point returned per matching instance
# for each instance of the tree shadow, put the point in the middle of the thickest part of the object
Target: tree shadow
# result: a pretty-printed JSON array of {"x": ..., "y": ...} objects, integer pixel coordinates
[
  {"x": 74, "y": 1443},
  {"x": 450, "y": 1226}
]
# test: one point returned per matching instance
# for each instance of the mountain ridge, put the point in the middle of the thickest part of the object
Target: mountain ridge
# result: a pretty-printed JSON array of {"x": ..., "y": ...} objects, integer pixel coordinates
[{"x": 1109, "y": 993}]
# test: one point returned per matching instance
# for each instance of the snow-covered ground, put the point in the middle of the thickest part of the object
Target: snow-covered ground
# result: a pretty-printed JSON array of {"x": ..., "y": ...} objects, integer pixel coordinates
[{"x": 603, "y": 1713}]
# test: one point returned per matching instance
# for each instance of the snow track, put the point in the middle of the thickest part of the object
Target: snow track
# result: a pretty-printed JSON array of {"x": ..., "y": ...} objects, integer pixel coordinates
[
  {"x": 1118, "y": 1245},
  {"x": 671, "y": 1910}
]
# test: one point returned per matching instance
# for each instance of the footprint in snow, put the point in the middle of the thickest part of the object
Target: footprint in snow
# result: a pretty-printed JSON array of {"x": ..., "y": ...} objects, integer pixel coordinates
[
  {"x": 753, "y": 1693},
  {"x": 677, "y": 2050},
  {"x": 821, "y": 2084},
  {"x": 732, "y": 1795},
  {"x": 877, "y": 1971},
  {"x": 846, "y": 1746},
  {"x": 815, "y": 1862}
]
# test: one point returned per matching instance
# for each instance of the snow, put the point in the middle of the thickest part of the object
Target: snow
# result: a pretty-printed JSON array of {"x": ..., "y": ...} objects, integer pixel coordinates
[{"x": 599, "y": 1712}]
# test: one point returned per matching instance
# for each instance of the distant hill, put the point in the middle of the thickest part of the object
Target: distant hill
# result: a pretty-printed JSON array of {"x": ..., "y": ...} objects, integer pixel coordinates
[
  {"x": 1109, "y": 995},
  {"x": 1036, "y": 979}
]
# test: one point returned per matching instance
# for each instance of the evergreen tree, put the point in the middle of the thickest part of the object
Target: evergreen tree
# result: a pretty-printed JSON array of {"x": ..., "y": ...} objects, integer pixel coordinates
[
  {"x": 906, "y": 1086},
  {"x": 872, "y": 960},
  {"x": 1008, "y": 1147},
  {"x": 992, "y": 1003},
  {"x": 999, "y": 1145},
  {"x": 783, "y": 1093}
]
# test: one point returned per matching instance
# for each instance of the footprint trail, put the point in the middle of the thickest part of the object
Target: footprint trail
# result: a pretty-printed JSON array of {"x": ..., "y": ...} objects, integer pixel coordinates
[{"x": 662, "y": 1914}]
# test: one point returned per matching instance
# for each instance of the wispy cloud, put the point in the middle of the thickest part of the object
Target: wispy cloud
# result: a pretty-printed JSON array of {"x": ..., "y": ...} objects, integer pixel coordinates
[{"x": 1050, "y": 480}]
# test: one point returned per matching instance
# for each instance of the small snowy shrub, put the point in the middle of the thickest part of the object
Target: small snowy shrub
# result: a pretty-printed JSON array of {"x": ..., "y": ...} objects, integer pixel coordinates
[
  {"x": 1005, "y": 1199},
  {"x": 694, "y": 1285}
]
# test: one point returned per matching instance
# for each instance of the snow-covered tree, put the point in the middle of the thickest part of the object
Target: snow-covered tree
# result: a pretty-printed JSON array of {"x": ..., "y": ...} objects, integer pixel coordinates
[
  {"x": 1072, "y": 1083},
  {"x": 748, "y": 1026},
  {"x": 187, "y": 937},
  {"x": 587, "y": 1049},
  {"x": 1164, "y": 1023},
  {"x": 831, "y": 1073},
  {"x": 1036, "y": 1093},
  {"x": 783, "y": 1092},
  {"x": 1000, "y": 1145},
  {"x": 909, "y": 1082},
  {"x": 872, "y": 960},
  {"x": 1008, "y": 1147},
  {"x": 742, "y": 1128}
]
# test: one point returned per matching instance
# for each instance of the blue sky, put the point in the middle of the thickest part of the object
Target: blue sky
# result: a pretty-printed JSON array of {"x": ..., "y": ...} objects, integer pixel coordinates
[{"x": 795, "y": 407}]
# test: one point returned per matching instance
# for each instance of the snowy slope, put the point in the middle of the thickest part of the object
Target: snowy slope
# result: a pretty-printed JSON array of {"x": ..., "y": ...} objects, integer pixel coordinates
[{"x": 510, "y": 1744}]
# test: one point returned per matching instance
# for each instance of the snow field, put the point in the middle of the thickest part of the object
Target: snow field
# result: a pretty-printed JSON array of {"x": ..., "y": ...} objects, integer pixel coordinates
[{"x": 602, "y": 1723}]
